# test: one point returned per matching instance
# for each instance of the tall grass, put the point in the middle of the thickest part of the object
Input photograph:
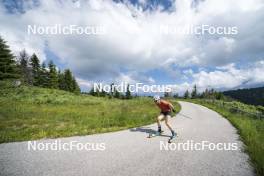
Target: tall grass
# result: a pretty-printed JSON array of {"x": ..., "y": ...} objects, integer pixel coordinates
[{"x": 29, "y": 113}]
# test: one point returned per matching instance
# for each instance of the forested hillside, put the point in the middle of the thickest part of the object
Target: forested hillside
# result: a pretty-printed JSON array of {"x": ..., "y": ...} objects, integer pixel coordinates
[{"x": 254, "y": 96}]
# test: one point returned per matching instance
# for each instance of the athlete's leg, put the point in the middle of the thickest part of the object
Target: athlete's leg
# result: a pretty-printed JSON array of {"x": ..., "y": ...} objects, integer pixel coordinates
[
  {"x": 167, "y": 122},
  {"x": 159, "y": 118},
  {"x": 168, "y": 125}
]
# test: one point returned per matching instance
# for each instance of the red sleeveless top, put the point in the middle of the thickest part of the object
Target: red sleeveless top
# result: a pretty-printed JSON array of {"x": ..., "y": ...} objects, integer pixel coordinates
[{"x": 164, "y": 106}]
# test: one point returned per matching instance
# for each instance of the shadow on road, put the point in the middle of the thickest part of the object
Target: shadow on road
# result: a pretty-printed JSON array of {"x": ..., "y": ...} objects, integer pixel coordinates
[
  {"x": 184, "y": 115},
  {"x": 146, "y": 130}
]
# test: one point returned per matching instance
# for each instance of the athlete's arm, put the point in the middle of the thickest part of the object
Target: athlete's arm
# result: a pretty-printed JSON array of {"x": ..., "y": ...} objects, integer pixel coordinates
[{"x": 172, "y": 107}]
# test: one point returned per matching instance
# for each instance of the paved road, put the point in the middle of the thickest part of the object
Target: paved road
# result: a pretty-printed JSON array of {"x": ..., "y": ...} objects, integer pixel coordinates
[{"x": 129, "y": 152}]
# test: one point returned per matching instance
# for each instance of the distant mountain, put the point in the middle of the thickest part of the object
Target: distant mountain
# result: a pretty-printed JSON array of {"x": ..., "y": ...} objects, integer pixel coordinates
[
  {"x": 254, "y": 96},
  {"x": 248, "y": 85}
]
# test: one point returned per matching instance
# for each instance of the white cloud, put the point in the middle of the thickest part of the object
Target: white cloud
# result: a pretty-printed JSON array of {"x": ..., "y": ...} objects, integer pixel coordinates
[
  {"x": 224, "y": 78},
  {"x": 181, "y": 88},
  {"x": 133, "y": 78},
  {"x": 85, "y": 85},
  {"x": 231, "y": 77},
  {"x": 125, "y": 78},
  {"x": 133, "y": 40}
]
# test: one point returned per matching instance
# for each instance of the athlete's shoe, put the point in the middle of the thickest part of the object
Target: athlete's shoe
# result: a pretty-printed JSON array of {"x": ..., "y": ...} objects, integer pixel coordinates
[{"x": 173, "y": 134}]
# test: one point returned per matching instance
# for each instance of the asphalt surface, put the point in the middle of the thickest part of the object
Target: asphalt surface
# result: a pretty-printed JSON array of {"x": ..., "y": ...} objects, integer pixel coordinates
[{"x": 130, "y": 152}]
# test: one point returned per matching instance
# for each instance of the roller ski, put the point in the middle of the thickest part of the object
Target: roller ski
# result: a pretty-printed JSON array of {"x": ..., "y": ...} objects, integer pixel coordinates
[{"x": 158, "y": 133}]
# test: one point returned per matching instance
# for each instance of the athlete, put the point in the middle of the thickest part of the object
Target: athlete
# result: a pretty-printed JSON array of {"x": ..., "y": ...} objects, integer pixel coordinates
[{"x": 166, "y": 108}]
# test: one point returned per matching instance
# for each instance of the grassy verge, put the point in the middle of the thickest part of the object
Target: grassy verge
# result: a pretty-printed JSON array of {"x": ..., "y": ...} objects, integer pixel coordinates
[
  {"x": 251, "y": 129},
  {"x": 29, "y": 113}
]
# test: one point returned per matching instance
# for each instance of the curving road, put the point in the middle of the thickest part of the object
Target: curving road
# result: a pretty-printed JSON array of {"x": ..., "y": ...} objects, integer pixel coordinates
[{"x": 129, "y": 152}]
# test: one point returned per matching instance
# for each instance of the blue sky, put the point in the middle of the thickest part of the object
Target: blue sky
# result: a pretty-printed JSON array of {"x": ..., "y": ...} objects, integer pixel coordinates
[
  {"x": 150, "y": 4},
  {"x": 134, "y": 49}
]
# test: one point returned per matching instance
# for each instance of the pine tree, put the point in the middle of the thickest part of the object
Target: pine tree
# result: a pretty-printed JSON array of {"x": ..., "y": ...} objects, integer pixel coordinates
[
  {"x": 103, "y": 93},
  {"x": 204, "y": 94},
  {"x": 186, "y": 94},
  {"x": 194, "y": 92},
  {"x": 53, "y": 76},
  {"x": 43, "y": 76},
  {"x": 176, "y": 95},
  {"x": 68, "y": 78},
  {"x": 35, "y": 67},
  {"x": 128, "y": 93},
  {"x": 93, "y": 92},
  {"x": 61, "y": 80},
  {"x": 166, "y": 94},
  {"x": 117, "y": 94},
  {"x": 211, "y": 93},
  {"x": 219, "y": 95},
  {"x": 68, "y": 82},
  {"x": 76, "y": 88},
  {"x": 112, "y": 90},
  {"x": 24, "y": 68},
  {"x": 8, "y": 67}
]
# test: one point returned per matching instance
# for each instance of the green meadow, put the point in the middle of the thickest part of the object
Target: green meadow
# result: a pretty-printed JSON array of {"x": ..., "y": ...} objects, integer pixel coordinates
[{"x": 29, "y": 113}]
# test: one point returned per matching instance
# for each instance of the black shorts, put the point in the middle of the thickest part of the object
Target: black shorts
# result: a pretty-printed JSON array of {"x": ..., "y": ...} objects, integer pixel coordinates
[{"x": 166, "y": 113}]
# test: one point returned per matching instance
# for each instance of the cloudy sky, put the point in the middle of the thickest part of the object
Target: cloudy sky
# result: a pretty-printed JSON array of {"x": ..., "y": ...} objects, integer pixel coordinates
[{"x": 133, "y": 47}]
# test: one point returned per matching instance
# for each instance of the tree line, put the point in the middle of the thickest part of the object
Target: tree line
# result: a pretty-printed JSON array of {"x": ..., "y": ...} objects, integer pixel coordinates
[
  {"x": 113, "y": 93},
  {"x": 207, "y": 94},
  {"x": 254, "y": 96},
  {"x": 30, "y": 71}
]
